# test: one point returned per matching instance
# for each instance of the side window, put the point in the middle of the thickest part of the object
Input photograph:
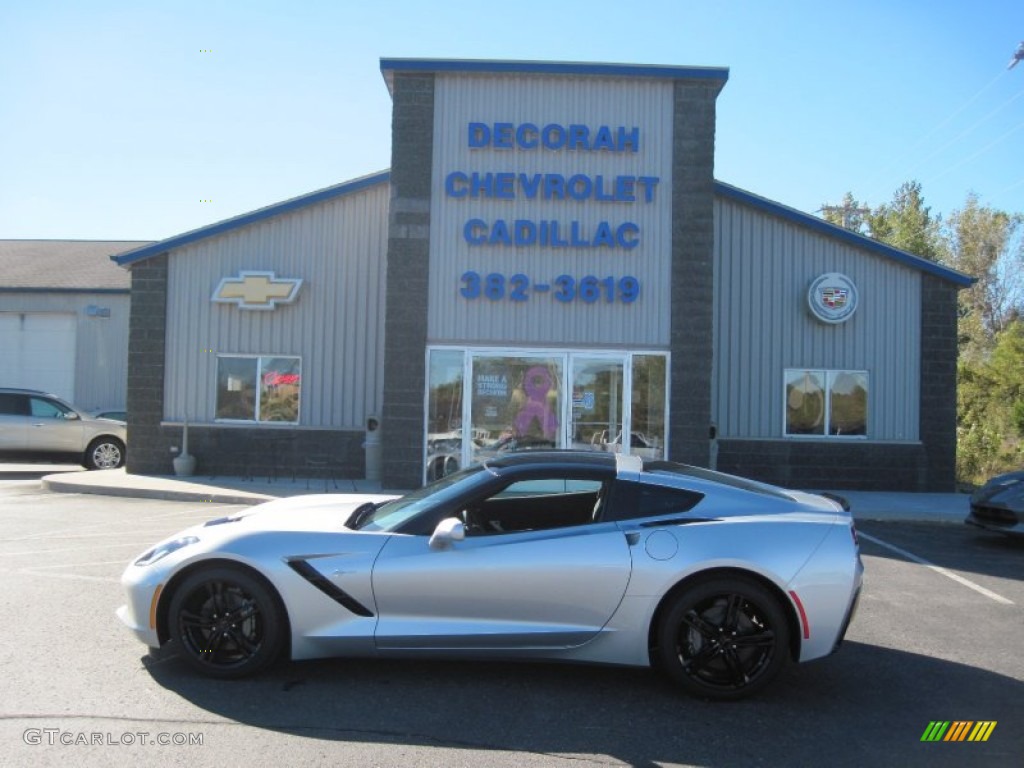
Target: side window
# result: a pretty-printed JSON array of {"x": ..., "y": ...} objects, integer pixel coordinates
[
  {"x": 549, "y": 487},
  {"x": 46, "y": 409},
  {"x": 631, "y": 500},
  {"x": 534, "y": 505},
  {"x": 12, "y": 404}
]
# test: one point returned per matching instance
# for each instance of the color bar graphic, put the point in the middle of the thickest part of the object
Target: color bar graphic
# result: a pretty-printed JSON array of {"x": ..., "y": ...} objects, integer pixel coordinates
[
  {"x": 935, "y": 731},
  {"x": 958, "y": 730},
  {"x": 982, "y": 730}
]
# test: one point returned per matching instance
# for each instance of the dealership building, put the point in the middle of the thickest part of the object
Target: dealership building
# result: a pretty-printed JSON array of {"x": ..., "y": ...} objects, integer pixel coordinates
[{"x": 549, "y": 261}]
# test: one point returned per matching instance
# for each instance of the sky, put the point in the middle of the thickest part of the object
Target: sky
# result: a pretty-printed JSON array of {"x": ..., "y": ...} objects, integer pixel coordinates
[{"x": 143, "y": 120}]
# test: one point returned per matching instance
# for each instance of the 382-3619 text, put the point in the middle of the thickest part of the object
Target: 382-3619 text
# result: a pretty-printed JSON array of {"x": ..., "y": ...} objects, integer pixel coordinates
[{"x": 564, "y": 288}]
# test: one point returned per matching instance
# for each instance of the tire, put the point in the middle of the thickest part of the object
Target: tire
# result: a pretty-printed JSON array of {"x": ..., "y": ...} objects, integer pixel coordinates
[
  {"x": 724, "y": 638},
  {"x": 104, "y": 453},
  {"x": 441, "y": 466},
  {"x": 226, "y": 622}
]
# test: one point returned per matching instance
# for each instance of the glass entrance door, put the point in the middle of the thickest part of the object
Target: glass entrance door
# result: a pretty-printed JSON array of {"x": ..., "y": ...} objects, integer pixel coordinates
[
  {"x": 485, "y": 402},
  {"x": 598, "y": 398},
  {"x": 516, "y": 403}
]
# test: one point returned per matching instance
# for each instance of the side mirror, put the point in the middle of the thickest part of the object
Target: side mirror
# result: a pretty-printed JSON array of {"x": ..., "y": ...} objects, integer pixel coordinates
[
  {"x": 72, "y": 416},
  {"x": 448, "y": 531}
]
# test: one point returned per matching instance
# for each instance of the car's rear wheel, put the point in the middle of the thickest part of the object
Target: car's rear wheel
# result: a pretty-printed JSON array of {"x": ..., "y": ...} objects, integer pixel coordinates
[
  {"x": 723, "y": 638},
  {"x": 104, "y": 453},
  {"x": 227, "y": 622}
]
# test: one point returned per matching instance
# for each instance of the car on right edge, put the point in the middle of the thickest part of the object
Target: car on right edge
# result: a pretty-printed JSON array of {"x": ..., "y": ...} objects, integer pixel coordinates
[{"x": 999, "y": 505}]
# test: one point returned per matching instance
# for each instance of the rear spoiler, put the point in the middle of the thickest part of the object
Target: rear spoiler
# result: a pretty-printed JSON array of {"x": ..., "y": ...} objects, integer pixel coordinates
[{"x": 837, "y": 498}]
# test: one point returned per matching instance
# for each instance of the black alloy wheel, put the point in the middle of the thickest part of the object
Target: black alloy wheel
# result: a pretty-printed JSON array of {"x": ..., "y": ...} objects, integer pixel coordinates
[
  {"x": 724, "y": 638},
  {"x": 227, "y": 622}
]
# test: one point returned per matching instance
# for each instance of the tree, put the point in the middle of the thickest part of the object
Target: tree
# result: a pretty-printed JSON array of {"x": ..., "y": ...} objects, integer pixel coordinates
[
  {"x": 1007, "y": 366},
  {"x": 986, "y": 244},
  {"x": 990, "y": 409},
  {"x": 906, "y": 223},
  {"x": 849, "y": 215},
  {"x": 989, "y": 245}
]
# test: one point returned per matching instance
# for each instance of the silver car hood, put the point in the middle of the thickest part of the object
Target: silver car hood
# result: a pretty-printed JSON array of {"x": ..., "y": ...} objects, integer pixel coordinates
[{"x": 314, "y": 513}]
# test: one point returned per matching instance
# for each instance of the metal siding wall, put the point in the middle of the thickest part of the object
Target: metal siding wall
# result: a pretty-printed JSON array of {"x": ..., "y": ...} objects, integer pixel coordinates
[
  {"x": 101, "y": 362},
  {"x": 338, "y": 249},
  {"x": 764, "y": 266},
  {"x": 541, "y": 319},
  {"x": 101, "y": 344}
]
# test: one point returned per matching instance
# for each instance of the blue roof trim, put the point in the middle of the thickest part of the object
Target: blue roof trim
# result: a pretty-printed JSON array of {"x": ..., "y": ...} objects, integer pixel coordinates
[
  {"x": 295, "y": 203},
  {"x": 553, "y": 68},
  {"x": 36, "y": 289},
  {"x": 839, "y": 233}
]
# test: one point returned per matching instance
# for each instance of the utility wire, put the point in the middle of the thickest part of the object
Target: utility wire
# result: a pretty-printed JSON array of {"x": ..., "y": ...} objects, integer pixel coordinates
[
  {"x": 981, "y": 151},
  {"x": 967, "y": 131},
  {"x": 936, "y": 128},
  {"x": 956, "y": 114},
  {"x": 1012, "y": 186}
]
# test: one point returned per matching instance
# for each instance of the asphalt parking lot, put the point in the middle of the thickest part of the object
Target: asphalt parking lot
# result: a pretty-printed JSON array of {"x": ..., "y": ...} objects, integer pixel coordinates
[{"x": 936, "y": 638}]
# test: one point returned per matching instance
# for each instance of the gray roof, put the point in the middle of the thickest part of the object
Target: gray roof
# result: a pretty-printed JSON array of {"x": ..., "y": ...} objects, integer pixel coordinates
[{"x": 64, "y": 265}]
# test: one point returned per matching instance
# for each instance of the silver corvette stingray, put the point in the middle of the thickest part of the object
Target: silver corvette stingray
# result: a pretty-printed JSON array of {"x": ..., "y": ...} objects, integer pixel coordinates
[{"x": 595, "y": 557}]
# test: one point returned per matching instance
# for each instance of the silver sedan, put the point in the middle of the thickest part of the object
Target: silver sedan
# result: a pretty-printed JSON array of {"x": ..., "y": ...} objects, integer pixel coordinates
[{"x": 574, "y": 556}]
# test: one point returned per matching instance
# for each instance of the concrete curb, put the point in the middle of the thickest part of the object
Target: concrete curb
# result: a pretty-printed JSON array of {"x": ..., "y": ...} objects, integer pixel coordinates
[
  {"x": 226, "y": 490},
  {"x": 62, "y": 483},
  {"x": 216, "y": 496}
]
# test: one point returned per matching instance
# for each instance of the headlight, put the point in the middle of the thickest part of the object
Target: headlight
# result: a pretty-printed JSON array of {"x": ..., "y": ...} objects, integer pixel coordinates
[{"x": 162, "y": 550}]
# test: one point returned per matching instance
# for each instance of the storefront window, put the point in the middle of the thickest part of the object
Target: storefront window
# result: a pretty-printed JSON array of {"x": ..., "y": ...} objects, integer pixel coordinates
[
  {"x": 805, "y": 403},
  {"x": 485, "y": 403},
  {"x": 597, "y": 395},
  {"x": 833, "y": 403},
  {"x": 516, "y": 404},
  {"x": 279, "y": 389},
  {"x": 258, "y": 389},
  {"x": 848, "y": 403},
  {"x": 444, "y": 412},
  {"x": 648, "y": 406}
]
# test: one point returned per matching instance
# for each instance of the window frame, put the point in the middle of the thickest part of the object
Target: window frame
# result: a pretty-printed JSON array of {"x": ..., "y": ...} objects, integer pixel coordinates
[
  {"x": 61, "y": 411},
  {"x": 828, "y": 375},
  {"x": 567, "y": 358},
  {"x": 257, "y": 402}
]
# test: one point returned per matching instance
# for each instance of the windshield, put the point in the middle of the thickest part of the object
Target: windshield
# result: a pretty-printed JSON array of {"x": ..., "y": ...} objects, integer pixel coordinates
[{"x": 392, "y": 514}]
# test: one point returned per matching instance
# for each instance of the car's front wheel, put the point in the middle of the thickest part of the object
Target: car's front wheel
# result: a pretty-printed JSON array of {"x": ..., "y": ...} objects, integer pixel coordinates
[
  {"x": 104, "y": 453},
  {"x": 226, "y": 622},
  {"x": 723, "y": 638}
]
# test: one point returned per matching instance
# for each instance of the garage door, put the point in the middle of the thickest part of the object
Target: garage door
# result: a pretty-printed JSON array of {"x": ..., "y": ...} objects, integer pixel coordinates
[{"x": 37, "y": 350}]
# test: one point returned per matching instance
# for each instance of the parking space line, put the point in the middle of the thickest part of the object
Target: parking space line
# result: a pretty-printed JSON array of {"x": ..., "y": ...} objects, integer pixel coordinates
[
  {"x": 938, "y": 569},
  {"x": 94, "y": 547},
  {"x": 70, "y": 576},
  {"x": 203, "y": 514}
]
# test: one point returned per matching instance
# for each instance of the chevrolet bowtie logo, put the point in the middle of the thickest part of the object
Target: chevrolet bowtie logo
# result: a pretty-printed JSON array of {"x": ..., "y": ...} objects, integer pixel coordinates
[{"x": 257, "y": 290}]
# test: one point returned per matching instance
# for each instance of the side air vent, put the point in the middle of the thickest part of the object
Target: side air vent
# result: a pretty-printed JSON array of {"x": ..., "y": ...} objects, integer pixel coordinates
[{"x": 328, "y": 587}]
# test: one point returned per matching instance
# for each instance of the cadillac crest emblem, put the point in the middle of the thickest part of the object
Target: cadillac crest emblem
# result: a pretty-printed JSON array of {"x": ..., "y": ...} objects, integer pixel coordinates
[{"x": 832, "y": 298}]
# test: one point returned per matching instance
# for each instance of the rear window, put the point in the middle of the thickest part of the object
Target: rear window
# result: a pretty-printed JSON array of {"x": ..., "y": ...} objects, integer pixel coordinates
[
  {"x": 13, "y": 405},
  {"x": 632, "y": 500},
  {"x": 672, "y": 469}
]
